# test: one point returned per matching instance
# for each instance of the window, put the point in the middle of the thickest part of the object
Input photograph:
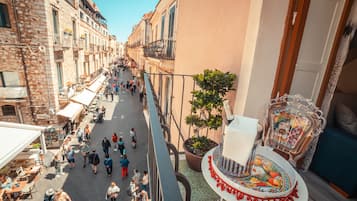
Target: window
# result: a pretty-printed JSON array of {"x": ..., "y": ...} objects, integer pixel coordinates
[
  {"x": 59, "y": 75},
  {"x": 162, "y": 26},
  {"x": 88, "y": 20},
  {"x": 9, "y": 79},
  {"x": 55, "y": 21},
  {"x": 74, "y": 28},
  {"x": 81, "y": 15},
  {"x": 4, "y": 16},
  {"x": 8, "y": 110}
]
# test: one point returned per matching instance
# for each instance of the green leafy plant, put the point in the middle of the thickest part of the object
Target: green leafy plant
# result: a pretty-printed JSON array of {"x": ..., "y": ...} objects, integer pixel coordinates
[{"x": 207, "y": 105}]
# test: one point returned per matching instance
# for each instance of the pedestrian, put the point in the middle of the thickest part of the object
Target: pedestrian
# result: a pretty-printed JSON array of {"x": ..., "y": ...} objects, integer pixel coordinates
[
  {"x": 127, "y": 85},
  {"x": 87, "y": 132},
  {"x": 85, "y": 153},
  {"x": 112, "y": 95},
  {"x": 103, "y": 110},
  {"x": 124, "y": 163},
  {"x": 132, "y": 90},
  {"x": 121, "y": 146},
  {"x": 64, "y": 149},
  {"x": 115, "y": 141},
  {"x": 132, "y": 134},
  {"x": 116, "y": 89},
  {"x": 79, "y": 134},
  {"x": 145, "y": 181},
  {"x": 94, "y": 161},
  {"x": 105, "y": 145},
  {"x": 60, "y": 195},
  {"x": 70, "y": 157},
  {"x": 136, "y": 177},
  {"x": 113, "y": 192},
  {"x": 108, "y": 163},
  {"x": 57, "y": 164}
]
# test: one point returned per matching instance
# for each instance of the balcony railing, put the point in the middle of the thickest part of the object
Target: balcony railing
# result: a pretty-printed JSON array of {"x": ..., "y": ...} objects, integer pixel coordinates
[
  {"x": 136, "y": 44},
  {"x": 13, "y": 92},
  {"x": 161, "y": 49},
  {"x": 163, "y": 177}
]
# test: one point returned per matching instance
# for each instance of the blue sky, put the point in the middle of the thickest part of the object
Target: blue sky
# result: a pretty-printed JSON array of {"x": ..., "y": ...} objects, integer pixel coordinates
[{"x": 122, "y": 15}]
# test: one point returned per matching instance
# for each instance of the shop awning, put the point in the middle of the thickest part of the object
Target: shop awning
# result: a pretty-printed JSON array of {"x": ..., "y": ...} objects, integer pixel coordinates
[
  {"x": 15, "y": 138},
  {"x": 85, "y": 97},
  {"x": 71, "y": 111},
  {"x": 97, "y": 84}
]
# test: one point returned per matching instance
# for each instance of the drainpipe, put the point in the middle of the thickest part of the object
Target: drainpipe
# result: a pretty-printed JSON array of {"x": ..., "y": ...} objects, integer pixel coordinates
[{"x": 18, "y": 34}]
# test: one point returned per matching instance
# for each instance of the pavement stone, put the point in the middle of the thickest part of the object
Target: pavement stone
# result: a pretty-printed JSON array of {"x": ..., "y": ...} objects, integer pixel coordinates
[{"x": 80, "y": 183}]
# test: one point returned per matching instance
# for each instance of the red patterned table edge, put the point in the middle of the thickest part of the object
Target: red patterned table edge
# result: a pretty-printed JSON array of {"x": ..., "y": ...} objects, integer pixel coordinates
[{"x": 224, "y": 186}]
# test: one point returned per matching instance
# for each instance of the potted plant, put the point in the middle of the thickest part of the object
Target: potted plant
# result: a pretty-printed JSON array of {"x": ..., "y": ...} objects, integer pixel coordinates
[{"x": 206, "y": 112}]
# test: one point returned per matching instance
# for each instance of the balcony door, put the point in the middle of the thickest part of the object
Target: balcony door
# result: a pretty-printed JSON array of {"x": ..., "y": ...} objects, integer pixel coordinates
[
  {"x": 312, "y": 27},
  {"x": 170, "y": 44}
]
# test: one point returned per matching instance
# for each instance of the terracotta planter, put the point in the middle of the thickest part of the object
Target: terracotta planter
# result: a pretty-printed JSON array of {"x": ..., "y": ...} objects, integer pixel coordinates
[{"x": 193, "y": 160}]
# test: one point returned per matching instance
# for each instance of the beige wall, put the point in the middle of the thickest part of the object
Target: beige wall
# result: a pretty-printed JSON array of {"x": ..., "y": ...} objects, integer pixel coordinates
[
  {"x": 210, "y": 36},
  {"x": 260, "y": 57}
]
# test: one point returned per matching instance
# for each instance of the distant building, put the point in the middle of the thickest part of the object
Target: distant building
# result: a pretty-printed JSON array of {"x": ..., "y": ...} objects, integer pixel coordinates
[{"x": 47, "y": 47}]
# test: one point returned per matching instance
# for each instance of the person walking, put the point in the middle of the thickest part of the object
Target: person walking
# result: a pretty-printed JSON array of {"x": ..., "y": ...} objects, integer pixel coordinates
[
  {"x": 108, "y": 162},
  {"x": 57, "y": 164},
  {"x": 94, "y": 161},
  {"x": 113, "y": 192},
  {"x": 145, "y": 181},
  {"x": 80, "y": 134},
  {"x": 84, "y": 148},
  {"x": 115, "y": 141},
  {"x": 70, "y": 157},
  {"x": 124, "y": 163},
  {"x": 121, "y": 146},
  {"x": 105, "y": 145},
  {"x": 112, "y": 95},
  {"x": 87, "y": 132},
  {"x": 136, "y": 177},
  {"x": 132, "y": 134}
]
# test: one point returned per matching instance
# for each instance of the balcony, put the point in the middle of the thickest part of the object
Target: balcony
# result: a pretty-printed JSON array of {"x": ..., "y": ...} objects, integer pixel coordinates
[
  {"x": 164, "y": 177},
  {"x": 135, "y": 45},
  {"x": 13, "y": 92},
  {"x": 161, "y": 49}
]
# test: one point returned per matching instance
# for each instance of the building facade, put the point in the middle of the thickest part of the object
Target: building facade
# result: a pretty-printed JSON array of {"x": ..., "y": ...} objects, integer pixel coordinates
[
  {"x": 274, "y": 47},
  {"x": 43, "y": 52}
]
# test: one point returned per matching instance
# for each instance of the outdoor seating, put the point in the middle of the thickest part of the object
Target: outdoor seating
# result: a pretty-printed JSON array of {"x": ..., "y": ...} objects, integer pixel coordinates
[{"x": 27, "y": 190}]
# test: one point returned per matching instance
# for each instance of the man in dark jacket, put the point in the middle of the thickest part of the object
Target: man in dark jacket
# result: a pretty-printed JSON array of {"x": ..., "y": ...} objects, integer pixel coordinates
[
  {"x": 105, "y": 145},
  {"x": 94, "y": 161}
]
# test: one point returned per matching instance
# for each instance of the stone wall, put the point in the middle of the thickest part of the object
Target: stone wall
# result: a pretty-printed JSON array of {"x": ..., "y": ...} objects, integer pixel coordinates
[{"x": 19, "y": 50}]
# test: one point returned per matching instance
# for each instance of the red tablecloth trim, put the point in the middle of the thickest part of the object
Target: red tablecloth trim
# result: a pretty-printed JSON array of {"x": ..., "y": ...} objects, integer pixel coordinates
[{"x": 222, "y": 185}]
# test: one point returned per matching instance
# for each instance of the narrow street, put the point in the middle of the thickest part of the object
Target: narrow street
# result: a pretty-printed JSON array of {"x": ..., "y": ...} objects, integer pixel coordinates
[{"x": 80, "y": 183}]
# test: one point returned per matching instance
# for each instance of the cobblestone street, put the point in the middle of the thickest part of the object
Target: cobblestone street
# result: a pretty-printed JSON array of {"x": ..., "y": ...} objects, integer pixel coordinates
[{"x": 80, "y": 183}]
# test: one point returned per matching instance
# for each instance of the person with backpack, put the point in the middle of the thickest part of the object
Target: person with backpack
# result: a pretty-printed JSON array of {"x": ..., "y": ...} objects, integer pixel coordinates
[
  {"x": 105, "y": 145},
  {"x": 115, "y": 141},
  {"x": 121, "y": 146},
  {"x": 94, "y": 161},
  {"x": 108, "y": 162},
  {"x": 124, "y": 163}
]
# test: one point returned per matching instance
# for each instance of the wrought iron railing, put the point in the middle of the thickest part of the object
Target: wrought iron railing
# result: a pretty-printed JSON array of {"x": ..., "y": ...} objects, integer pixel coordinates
[
  {"x": 161, "y": 49},
  {"x": 163, "y": 177},
  {"x": 136, "y": 44}
]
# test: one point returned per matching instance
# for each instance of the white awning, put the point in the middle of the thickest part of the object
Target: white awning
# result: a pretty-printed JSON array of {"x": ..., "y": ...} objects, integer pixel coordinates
[
  {"x": 85, "y": 97},
  {"x": 97, "y": 84},
  {"x": 72, "y": 110},
  {"x": 15, "y": 138}
]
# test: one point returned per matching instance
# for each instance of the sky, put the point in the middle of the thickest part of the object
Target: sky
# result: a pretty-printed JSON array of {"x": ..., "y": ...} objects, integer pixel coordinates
[{"x": 122, "y": 15}]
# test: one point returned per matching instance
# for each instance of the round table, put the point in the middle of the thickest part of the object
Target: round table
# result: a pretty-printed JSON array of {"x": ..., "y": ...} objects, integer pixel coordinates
[{"x": 302, "y": 192}]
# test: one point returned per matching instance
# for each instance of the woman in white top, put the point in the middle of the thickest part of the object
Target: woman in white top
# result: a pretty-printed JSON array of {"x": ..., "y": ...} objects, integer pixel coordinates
[{"x": 113, "y": 192}]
